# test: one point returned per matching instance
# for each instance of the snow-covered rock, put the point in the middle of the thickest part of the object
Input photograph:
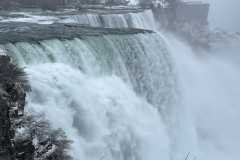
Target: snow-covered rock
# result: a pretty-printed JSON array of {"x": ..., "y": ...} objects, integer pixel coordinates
[
  {"x": 2, "y": 54},
  {"x": 162, "y": 3}
]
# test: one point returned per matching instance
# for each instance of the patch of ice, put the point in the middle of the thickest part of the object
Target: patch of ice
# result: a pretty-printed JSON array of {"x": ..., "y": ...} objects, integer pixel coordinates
[
  {"x": 21, "y": 130},
  {"x": 22, "y": 133},
  {"x": 35, "y": 141},
  {"x": 2, "y": 54},
  {"x": 133, "y": 2},
  {"x": 156, "y": 2}
]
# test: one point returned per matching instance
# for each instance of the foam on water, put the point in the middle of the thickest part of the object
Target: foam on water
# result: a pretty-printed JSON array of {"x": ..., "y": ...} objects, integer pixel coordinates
[
  {"x": 207, "y": 124},
  {"x": 106, "y": 92},
  {"x": 103, "y": 116}
]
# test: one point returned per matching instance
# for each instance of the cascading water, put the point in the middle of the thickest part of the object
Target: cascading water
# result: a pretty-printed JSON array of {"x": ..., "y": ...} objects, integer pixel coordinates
[
  {"x": 143, "y": 20},
  {"x": 86, "y": 86},
  {"x": 127, "y": 97},
  {"x": 140, "y": 19}
]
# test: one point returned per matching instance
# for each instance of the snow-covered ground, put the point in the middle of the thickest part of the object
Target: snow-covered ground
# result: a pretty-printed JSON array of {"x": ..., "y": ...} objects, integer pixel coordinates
[
  {"x": 157, "y": 2},
  {"x": 133, "y": 2}
]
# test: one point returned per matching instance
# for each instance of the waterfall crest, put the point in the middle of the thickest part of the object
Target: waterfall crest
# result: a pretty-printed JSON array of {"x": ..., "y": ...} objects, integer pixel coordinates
[
  {"x": 124, "y": 19},
  {"x": 143, "y": 20}
]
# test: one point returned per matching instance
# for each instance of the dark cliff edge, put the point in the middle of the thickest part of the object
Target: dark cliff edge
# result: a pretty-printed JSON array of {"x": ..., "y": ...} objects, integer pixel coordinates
[
  {"x": 31, "y": 32},
  {"x": 25, "y": 135}
]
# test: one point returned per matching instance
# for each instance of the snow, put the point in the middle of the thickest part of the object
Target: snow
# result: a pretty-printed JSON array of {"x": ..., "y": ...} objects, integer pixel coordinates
[
  {"x": 21, "y": 130},
  {"x": 133, "y": 2},
  {"x": 35, "y": 142},
  {"x": 157, "y": 2},
  {"x": 22, "y": 133},
  {"x": 2, "y": 54}
]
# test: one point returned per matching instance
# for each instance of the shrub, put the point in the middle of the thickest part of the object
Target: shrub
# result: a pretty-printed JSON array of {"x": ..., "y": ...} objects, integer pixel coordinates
[
  {"x": 49, "y": 143},
  {"x": 11, "y": 74}
]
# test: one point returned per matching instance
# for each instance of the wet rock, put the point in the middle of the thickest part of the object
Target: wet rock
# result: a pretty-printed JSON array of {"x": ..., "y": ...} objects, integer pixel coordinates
[
  {"x": 4, "y": 59},
  {"x": 10, "y": 96},
  {"x": 24, "y": 150},
  {"x": 33, "y": 33}
]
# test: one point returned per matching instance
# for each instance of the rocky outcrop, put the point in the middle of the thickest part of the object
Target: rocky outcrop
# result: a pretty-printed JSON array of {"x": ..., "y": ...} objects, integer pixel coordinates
[
  {"x": 189, "y": 21},
  {"x": 193, "y": 12},
  {"x": 182, "y": 12},
  {"x": 12, "y": 103},
  {"x": 6, "y": 135},
  {"x": 5, "y": 132}
]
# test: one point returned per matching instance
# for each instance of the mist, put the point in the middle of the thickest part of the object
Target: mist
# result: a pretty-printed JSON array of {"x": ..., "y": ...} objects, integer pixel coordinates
[
  {"x": 208, "y": 123},
  {"x": 224, "y": 14}
]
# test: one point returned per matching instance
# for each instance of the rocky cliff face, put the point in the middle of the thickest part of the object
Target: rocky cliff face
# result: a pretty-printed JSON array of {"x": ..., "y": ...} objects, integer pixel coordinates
[
  {"x": 24, "y": 135},
  {"x": 11, "y": 101},
  {"x": 5, "y": 132},
  {"x": 189, "y": 21}
]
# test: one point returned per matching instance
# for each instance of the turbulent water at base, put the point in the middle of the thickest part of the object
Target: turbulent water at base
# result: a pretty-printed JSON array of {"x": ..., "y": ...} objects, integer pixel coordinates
[
  {"x": 103, "y": 91},
  {"x": 208, "y": 121},
  {"x": 143, "y": 20},
  {"x": 135, "y": 97}
]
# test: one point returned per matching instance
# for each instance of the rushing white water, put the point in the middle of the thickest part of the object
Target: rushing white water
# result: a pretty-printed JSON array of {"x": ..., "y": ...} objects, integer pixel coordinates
[
  {"x": 97, "y": 114},
  {"x": 210, "y": 107},
  {"x": 106, "y": 92},
  {"x": 143, "y": 20}
]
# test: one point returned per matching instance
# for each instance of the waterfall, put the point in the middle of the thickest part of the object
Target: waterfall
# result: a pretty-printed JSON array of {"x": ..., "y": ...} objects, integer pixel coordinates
[
  {"x": 103, "y": 91},
  {"x": 88, "y": 19},
  {"x": 135, "y": 97},
  {"x": 143, "y": 20},
  {"x": 126, "y": 19}
]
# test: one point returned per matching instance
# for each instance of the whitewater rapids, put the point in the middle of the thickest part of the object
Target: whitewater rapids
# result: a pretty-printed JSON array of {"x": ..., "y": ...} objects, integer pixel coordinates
[
  {"x": 103, "y": 91},
  {"x": 136, "y": 97}
]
